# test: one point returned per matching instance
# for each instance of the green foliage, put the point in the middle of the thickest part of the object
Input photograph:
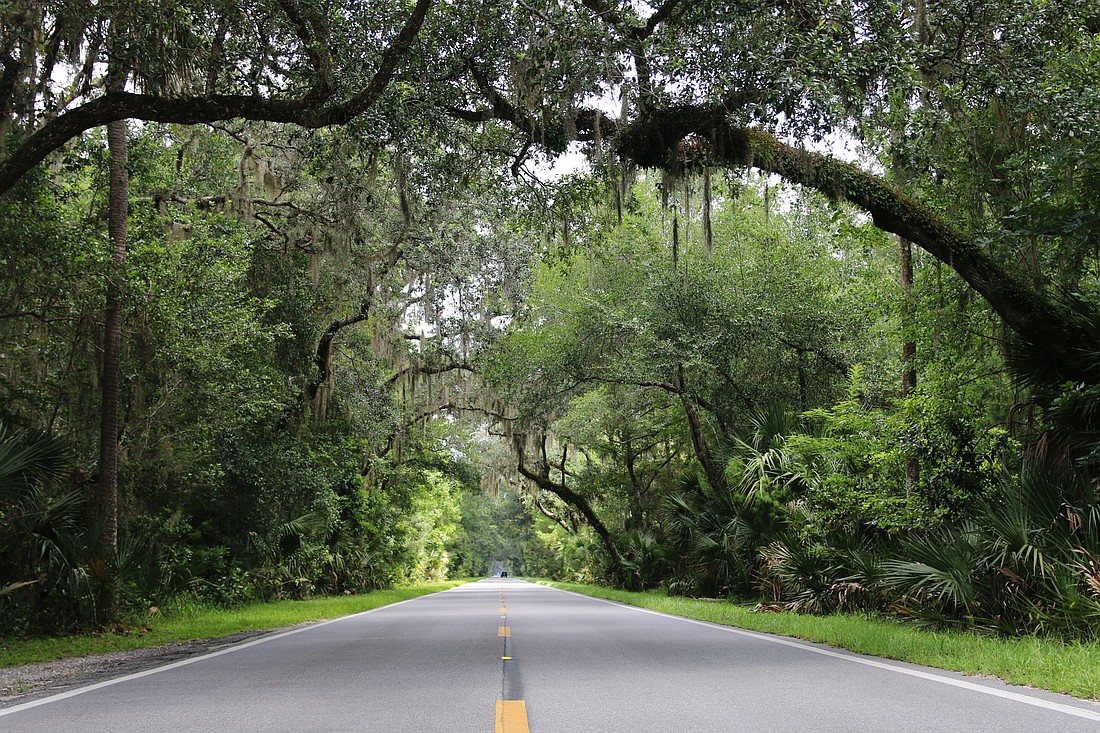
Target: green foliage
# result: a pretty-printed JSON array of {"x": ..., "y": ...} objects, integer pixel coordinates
[
  {"x": 432, "y": 525},
  {"x": 574, "y": 555},
  {"x": 959, "y": 462},
  {"x": 499, "y": 529},
  {"x": 55, "y": 575},
  {"x": 852, "y": 461},
  {"x": 27, "y": 462},
  {"x": 301, "y": 307},
  {"x": 230, "y": 490},
  {"x": 717, "y": 537},
  {"x": 1022, "y": 563}
]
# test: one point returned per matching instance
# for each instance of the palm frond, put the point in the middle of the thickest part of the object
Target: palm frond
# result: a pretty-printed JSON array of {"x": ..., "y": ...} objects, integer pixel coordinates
[{"x": 27, "y": 460}]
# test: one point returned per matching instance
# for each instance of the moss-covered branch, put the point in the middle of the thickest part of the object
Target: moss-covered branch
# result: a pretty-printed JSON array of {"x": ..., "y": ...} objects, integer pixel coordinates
[
  {"x": 312, "y": 110},
  {"x": 683, "y": 136}
]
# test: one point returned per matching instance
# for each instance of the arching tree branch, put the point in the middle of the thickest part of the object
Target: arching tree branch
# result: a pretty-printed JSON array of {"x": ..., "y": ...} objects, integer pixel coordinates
[
  {"x": 540, "y": 476},
  {"x": 655, "y": 141},
  {"x": 323, "y": 357},
  {"x": 312, "y": 110}
]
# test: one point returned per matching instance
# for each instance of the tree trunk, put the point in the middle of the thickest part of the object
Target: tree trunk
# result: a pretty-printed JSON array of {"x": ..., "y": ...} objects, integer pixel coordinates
[
  {"x": 711, "y": 469},
  {"x": 107, "y": 493},
  {"x": 908, "y": 347}
]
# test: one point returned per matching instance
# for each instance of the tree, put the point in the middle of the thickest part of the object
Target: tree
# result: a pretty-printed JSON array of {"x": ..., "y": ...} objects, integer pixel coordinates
[
  {"x": 723, "y": 117},
  {"x": 241, "y": 72},
  {"x": 107, "y": 487},
  {"x": 645, "y": 356}
]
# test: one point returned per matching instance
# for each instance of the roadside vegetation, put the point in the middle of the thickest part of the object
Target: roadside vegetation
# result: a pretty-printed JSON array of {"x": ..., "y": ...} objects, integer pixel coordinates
[
  {"x": 293, "y": 307},
  {"x": 194, "y": 622},
  {"x": 1071, "y": 668}
]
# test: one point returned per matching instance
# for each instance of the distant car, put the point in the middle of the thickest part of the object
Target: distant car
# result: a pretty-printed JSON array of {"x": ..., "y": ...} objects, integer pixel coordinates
[{"x": 504, "y": 574}]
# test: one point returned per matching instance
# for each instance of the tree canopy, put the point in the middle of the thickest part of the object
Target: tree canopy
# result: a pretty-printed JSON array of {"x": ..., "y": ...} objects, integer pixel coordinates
[{"x": 633, "y": 281}]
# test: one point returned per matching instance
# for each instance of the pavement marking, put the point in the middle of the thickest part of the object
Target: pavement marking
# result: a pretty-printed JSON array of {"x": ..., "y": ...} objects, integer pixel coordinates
[
  {"x": 512, "y": 717},
  {"x": 867, "y": 661},
  {"x": 506, "y": 658},
  {"x": 504, "y": 631},
  {"x": 192, "y": 660}
]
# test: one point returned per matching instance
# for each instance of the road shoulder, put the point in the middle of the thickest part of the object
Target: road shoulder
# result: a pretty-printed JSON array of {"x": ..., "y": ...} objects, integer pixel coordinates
[{"x": 30, "y": 682}]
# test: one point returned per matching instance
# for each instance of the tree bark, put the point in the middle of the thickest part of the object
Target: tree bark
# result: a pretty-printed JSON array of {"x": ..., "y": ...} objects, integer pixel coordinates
[
  {"x": 909, "y": 346},
  {"x": 715, "y": 476},
  {"x": 118, "y": 211}
]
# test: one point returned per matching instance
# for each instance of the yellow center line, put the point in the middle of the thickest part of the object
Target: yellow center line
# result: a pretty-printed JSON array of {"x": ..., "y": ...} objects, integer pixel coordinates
[{"x": 512, "y": 717}]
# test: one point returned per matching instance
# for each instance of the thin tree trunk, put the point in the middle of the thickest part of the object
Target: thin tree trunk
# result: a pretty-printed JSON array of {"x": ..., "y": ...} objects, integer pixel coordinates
[
  {"x": 708, "y": 230},
  {"x": 629, "y": 460},
  {"x": 908, "y": 347},
  {"x": 118, "y": 206},
  {"x": 676, "y": 242},
  {"x": 711, "y": 468},
  {"x": 803, "y": 388}
]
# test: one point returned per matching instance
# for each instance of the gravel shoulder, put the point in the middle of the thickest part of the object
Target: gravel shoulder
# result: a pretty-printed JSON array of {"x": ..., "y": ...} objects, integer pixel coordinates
[{"x": 30, "y": 682}]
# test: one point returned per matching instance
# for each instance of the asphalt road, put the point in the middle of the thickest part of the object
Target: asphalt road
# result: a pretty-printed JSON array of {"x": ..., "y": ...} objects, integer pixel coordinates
[{"x": 565, "y": 662}]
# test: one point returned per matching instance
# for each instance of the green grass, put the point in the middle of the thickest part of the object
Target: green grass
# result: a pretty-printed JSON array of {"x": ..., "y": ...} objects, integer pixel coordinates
[
  {"x": 200, "y": 622},
  {"x": 1035, "y": 661}
]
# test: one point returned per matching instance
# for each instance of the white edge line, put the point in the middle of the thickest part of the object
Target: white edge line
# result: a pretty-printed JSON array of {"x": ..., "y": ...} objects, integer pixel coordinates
[
  {"x": 852, "y": 657},
  {"x": 191, "y": 660}
]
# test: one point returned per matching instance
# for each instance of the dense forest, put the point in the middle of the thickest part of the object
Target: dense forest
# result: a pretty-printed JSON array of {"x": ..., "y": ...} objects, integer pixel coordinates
[{"x": 792, "y": 302}]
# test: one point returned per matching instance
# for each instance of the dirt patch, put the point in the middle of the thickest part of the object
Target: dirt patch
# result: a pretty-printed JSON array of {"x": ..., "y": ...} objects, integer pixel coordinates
[{"x": 23, "y": 684}]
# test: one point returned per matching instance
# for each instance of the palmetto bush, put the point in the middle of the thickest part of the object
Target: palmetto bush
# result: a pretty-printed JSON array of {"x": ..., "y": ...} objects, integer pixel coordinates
[
  {"x": 646, "y": 559},
  {"x": 1026, "y": 563},
  {"x": 1027, "y": 560},
  {"x": 800, "y": 575},
  {"x": 55, "y": 575},
  {"x": 48, "y": 573},
  {"x": 842, "y": 571},
  {"x": 717, "y": 535}
]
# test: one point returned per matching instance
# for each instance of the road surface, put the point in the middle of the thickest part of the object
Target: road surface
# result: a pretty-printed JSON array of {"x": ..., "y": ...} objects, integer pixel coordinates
[{"x": 508, "y": 655}]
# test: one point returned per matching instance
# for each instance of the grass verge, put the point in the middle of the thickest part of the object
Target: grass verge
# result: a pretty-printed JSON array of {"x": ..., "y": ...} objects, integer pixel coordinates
[
  {"x": 200, "y": 622},
  {"x": 1038, "y": 662}
]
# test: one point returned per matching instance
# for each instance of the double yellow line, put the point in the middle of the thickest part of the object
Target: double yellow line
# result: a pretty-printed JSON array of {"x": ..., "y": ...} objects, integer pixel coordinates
[{"x": 511, "y": 715}]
